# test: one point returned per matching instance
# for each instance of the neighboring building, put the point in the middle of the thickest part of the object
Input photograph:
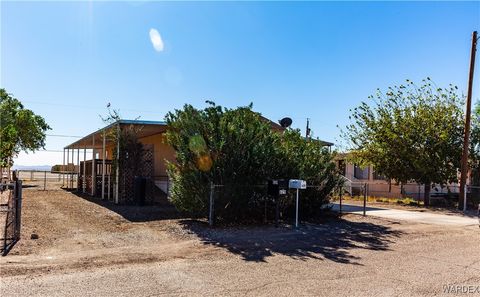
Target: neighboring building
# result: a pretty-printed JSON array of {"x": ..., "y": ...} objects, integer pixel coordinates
[{"x": 379, "y": 186}]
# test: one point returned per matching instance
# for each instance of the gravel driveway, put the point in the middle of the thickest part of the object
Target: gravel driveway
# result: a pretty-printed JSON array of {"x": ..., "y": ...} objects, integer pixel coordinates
[{"x": 410, "y": 215}]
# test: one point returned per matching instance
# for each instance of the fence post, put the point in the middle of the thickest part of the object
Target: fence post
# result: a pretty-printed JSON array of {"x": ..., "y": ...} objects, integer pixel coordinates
[
  {"x": 168, "y": 187},
  {"x": 341, "y": 194},
  {"x": 45, "y": 181},
  {"x": 210, "y": 215},
  {"x": 465, "y": 198},
  {"x": 5, "y": 230},
  {"x": 419, "y": 194},
  {"x": 365, "y": 200},
  {"x": 277, "y": 209},
  {"x": 296, "y": 210},
  {"x": 18, "y": 205},
  {"x": 265, "y": 210}
]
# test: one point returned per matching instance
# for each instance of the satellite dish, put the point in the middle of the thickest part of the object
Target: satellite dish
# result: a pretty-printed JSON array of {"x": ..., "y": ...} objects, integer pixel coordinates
[{"x": 285, "y": 122}]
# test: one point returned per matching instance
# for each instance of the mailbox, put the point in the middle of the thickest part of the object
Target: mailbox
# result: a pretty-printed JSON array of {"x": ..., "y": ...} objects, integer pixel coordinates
[
  {"x": 297, "y": 184},
  {"x": 277, "y": 187}
]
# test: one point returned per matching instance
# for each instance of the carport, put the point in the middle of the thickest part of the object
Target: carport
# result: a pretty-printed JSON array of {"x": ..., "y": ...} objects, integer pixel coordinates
[{"x": 96, "y": 176}]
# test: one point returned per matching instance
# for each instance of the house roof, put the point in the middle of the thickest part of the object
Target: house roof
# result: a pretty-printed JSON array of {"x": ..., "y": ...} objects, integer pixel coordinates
[
  {"x": 325, "y": 143},
  {"x": 321, "y": 142},
  {"x": 275, "y": 126},
  {"x": 95, "y": 139}
]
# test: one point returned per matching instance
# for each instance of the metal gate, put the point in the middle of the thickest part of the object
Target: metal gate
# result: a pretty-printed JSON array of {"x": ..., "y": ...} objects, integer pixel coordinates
[{"x": 10, "y": 214}]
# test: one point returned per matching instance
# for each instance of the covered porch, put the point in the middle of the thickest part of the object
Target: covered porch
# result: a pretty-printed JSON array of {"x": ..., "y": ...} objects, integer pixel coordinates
[{"x": 96, "y": 156}]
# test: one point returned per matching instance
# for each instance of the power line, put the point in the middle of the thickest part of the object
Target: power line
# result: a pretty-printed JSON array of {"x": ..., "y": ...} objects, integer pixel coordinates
[
  {"x": 317, "y": 120},
  {"x": 91, "y": 107},
  {"x": 58, "y": 135},
  {"x": 152, "y": 111}
]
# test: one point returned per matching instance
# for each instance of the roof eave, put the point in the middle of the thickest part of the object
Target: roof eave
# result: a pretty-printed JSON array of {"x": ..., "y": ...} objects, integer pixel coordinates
[{"x": 118, "y": 122}]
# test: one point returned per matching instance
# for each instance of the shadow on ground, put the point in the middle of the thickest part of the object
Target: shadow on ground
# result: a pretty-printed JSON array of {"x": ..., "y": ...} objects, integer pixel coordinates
[
  {"x": 134, "y": 213},
  {"x": 333, "y": 240}
]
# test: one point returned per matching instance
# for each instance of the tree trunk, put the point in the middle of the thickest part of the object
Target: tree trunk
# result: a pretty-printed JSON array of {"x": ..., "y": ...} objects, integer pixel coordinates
[{"x": 426, "y": 197}]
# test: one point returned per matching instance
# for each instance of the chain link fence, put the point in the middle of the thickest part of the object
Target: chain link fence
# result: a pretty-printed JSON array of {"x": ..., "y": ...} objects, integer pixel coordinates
[
  {"x": 255, "y": 203},
  {"x": 443, "y": 196},
  {"x": 10, "y": 214},
  {"x": 46, "y": 180}
]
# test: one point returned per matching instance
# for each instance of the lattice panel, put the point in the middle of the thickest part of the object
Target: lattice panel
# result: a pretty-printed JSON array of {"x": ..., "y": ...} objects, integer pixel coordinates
[{"x": 144, "y": 169}]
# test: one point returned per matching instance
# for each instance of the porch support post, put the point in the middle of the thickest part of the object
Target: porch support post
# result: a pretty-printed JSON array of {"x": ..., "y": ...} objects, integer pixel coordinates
[
  {"x": 109, "y": 182},
  {"x": 117, "y": 176},
  {"x": 93, "y": 166},
  {"x": 78, "y": 169},
  {"x": 84, "y": 181},
  {"x": 103, "y": 166},
  {"x": 68, "y": 159},
  {"x": 63, "y": 169},
  {"x": 73, "y": 169}
]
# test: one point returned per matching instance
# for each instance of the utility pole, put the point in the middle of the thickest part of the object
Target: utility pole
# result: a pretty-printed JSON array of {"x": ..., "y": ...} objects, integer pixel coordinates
[
  {"x": 307, "y": 131},
  {"x": 466, "y": 136}
]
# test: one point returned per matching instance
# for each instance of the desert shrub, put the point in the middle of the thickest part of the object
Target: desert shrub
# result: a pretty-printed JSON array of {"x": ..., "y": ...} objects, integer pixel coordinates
[{"x": 239, "y": 150}]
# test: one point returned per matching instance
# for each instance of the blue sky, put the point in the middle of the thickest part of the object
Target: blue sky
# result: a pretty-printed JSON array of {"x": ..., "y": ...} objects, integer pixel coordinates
[{"x": 67, "y": 60}]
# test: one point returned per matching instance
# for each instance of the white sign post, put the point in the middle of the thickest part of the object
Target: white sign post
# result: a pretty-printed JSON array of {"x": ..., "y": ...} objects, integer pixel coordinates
[{"x": 297, "y": 184}]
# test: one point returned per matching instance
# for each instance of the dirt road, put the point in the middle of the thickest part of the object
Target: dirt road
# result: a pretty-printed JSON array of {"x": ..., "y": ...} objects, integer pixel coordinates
[{"x": 87, "y": 249}]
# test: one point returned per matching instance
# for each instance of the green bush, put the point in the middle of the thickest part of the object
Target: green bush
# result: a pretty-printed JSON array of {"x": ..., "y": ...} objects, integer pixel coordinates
[{"x": 239, "y": 150}]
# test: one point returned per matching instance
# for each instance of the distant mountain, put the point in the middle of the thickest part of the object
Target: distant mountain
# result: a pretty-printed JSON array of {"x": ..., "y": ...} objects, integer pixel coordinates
[{"x": 33, "y": 167}]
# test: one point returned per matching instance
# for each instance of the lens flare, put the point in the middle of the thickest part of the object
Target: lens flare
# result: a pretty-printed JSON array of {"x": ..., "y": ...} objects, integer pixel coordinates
[
  {"x": 204, "y": 162},
  {"x": 197, "y": 145}
]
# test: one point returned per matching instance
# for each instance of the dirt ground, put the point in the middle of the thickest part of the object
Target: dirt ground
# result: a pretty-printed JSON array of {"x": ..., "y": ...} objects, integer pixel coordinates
[
  {"x": 90, "y": 248},
  {"x": 79, "y": 232}
]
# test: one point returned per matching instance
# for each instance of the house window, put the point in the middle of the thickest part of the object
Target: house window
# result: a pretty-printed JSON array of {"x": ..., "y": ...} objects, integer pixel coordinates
[{"x": 359, "y": 172}]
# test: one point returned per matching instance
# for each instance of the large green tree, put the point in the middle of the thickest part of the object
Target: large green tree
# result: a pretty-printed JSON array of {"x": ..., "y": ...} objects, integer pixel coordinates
[
  {"x": 409, "y": 133},
  {"x": 20, "y": 129},
  {"x": 219, "y": 146},
  {"x": 238, "y": 150}
]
